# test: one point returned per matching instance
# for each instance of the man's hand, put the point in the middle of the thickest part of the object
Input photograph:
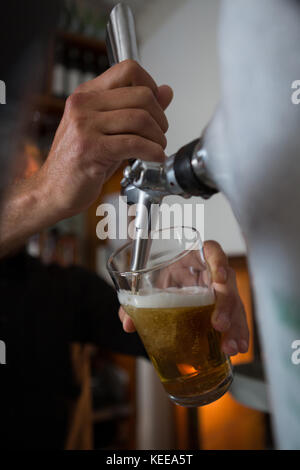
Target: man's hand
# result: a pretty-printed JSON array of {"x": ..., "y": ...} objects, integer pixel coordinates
[
  {"x": 229, "y": 316},
  {"x": 117, "y": 116}
]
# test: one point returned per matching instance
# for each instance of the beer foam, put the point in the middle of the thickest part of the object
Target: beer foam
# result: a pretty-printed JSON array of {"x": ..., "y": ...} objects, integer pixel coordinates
[{"x": 168, "y": 298}]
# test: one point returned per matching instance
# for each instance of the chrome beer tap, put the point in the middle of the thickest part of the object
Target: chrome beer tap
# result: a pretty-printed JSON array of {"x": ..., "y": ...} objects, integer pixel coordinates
[
  {"x": 145, "y": 183},
  {"x": 250, "y": 150}
]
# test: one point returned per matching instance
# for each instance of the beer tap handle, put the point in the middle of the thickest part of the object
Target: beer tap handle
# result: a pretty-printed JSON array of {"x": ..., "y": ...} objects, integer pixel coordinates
[
  {"x": 121, "y": 40},
  {"x": 121, "y": 37},
  {"x": 121, "y": 45}
]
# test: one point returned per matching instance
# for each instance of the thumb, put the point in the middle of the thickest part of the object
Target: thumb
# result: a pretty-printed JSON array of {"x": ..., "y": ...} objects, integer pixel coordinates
[
  {"x": 217, "y": 261},
  {"x": 164, "y": 96}
]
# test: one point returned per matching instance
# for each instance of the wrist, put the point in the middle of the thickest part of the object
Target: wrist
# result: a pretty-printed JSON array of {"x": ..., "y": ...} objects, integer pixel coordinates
[
  {"x": 48, "y": 199},
  {"x": 26, "y": 210},
  {"x": 40, "y": 198}
]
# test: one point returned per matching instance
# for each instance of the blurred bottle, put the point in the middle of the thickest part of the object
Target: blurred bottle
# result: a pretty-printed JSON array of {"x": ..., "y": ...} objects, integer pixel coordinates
[
  {"x": 59, "y": 71},
  {"x": 74, "y": 70}
]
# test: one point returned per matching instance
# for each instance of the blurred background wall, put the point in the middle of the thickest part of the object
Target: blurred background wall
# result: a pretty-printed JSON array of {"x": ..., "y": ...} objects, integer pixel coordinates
[{"x": 178, "y": 45}]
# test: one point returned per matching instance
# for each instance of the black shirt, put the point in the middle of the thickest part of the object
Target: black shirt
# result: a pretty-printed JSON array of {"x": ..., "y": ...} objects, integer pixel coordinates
[{"x": 43, "y": 310}]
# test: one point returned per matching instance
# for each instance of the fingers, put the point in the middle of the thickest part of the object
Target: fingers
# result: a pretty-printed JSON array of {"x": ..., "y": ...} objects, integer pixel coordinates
[
  {"x": 128, "y": 85},
  {"x": 236, "y": 339},
  {"x": 165, "y": 96},
  {"x": 125, "y": 74},
  {"x": 126, "y": 108},
  {"x": 222, "y": 315},
  {"x": 139, "y": 97},
  {"x": 117, "y": 116},
  {"x": 122, "y": 314},
  {"x": 124, "y": 133},
  {"x": 229, "y": 316},
  {"x": 217, "y": 261},
  {"x": 130, "y": 121},
  {"x": 125, "y": 146},
  {"x": 128, "y": 324}
]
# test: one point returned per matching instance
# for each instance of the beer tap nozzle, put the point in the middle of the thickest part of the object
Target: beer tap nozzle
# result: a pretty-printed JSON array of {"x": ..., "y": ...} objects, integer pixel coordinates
[{"x": 146, "y": 184}]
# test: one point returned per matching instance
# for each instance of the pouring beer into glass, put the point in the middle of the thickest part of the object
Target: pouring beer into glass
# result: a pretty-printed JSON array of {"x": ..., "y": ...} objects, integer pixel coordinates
[
  {"x": 162, "y": 278},
  {"x": 171, "y": 309}
]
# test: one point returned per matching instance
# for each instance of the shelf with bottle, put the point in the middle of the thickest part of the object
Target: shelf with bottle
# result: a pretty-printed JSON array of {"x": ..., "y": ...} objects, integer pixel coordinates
[
  {"x": 73, "y": 59},
  {"x": 76, "y": 54},
  {"x": 79, "y": 51},
  {"x": 76, "y": 60}
]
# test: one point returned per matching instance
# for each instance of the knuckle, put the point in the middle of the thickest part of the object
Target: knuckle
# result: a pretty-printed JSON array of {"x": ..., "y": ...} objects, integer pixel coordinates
[
  {"x": 130, "y": 68},
  {"x": 76, "y": 114},
  {"x": 79, "y": 89},
  {"x": 75, "y": 101},
  {"x": 141, "y": 118},
  {"x": 147, "y": 95}
]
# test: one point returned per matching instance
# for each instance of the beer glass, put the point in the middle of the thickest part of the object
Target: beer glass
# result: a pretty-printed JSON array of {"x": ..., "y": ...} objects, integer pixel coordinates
[{"x": 171, "y": 302}]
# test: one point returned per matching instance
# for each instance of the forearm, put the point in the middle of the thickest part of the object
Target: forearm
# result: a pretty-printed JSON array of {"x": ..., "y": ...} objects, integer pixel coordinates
[{"x": 26, "y": 210}]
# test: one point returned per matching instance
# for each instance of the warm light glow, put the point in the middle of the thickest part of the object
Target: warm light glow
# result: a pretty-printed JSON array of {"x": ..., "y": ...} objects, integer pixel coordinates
[
  {"x": 186, "y": 369},
  {"x": 29, "y": 161},
  {"x": 33, "y": 160},
  {"x": 226, "y": 424}
]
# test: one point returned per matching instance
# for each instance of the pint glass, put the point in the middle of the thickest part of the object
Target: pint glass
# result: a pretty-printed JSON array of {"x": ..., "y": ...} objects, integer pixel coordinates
[{"x": 171, "y": 302}]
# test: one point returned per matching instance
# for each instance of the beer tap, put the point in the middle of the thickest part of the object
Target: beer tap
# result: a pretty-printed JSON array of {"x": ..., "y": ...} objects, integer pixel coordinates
[
  {"x": 145, "y": 183},
  {"x": 250, "y": 150}
]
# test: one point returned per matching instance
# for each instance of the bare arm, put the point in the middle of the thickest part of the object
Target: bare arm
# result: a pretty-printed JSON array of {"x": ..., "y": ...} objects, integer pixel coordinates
[{"x": 26, "y": 209}]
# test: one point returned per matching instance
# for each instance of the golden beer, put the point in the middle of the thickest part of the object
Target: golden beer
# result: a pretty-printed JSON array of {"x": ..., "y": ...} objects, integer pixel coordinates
[{"x": 175, "y": 327}]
